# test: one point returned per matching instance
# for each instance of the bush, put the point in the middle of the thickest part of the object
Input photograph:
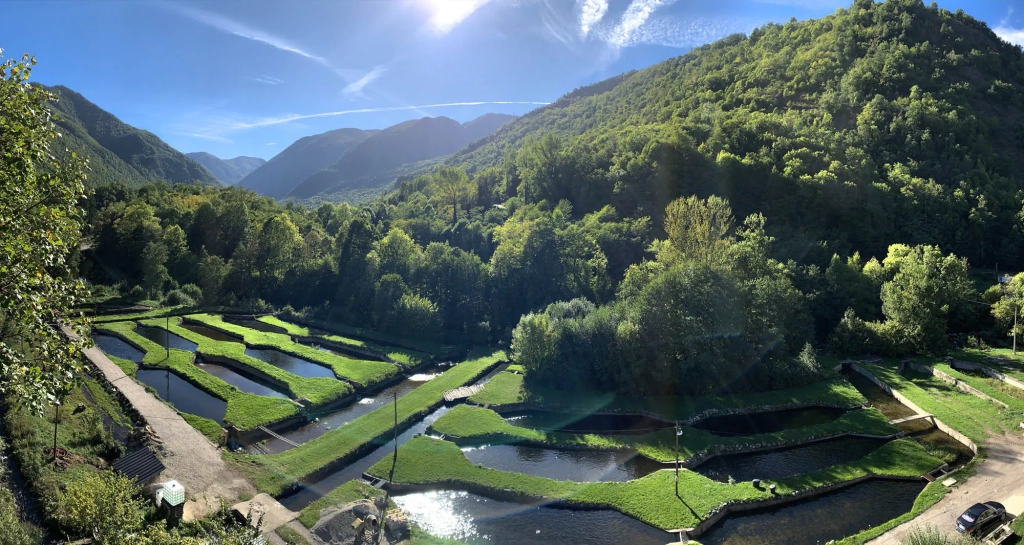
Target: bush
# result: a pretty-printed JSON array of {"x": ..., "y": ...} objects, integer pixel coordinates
[
  {"x": 102, "y": 505},
  {"x": 193, "y": 291},
  {"x": 930, "y": 535},
  {"x": 136, "y": 292},
  {"x": 178, "y": 297},
  {"x": 12, "y": 530}
]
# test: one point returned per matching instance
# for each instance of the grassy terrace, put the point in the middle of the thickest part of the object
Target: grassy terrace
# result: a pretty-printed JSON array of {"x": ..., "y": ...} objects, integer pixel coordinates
[
  {"x": 244, "y": 410},
  {"x": 1009, "y": 364},
  {"x": 404, "y": 356},
  {"x": 275, "y": 472},
  {"x": 317, "y": 390},
  {"x": 651, "y": 499},
  {"x": 476, "y": 425},
  {"x": 363, "y": 373},
  {"x": 378, "y": 337},
  {"x": 508, "y": 389}
]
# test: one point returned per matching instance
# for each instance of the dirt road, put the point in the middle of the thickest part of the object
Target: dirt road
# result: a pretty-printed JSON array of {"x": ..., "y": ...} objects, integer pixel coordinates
[{"x": 1000, "y": 478}]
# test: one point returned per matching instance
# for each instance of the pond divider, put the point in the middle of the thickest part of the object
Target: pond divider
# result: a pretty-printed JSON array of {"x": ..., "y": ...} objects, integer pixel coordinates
[
  {"x": 945, "y": 428},
  {"x": 951, "y": 380},
  {"x": 354, "y": 351},
  {"x": 962, "y": 365},
  {"x": 244, "y": 369}
]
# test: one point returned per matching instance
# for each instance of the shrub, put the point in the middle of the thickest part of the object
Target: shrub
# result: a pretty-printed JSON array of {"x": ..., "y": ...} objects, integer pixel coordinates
[
  {"x": 102, "y": 505},
  {"x": 136, "y": 292},
  {"x": 178, "y": 297},
  {"x": 193, "y": 291},
  {"x": 930, "y": 535}
]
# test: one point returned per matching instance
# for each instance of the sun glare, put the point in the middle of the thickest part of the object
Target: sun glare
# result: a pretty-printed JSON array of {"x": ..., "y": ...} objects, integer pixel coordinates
[{"x": 446, "y": 14}]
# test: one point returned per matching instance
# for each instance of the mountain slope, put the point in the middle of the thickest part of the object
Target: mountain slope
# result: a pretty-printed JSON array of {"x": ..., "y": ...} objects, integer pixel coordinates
[
  {"x": 307, "y": 155},
  {"x": 405, "y": 143},
  {"x": 117, "y": 151},
  {"x": 228, "y": 171}
]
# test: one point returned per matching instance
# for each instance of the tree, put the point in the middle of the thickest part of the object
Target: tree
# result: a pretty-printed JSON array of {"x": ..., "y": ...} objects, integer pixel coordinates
[
  {"x": 452, "y": 186},
  {"x": 102, "y": 505},
  {"x": 1007, "y": 309},
  {"x": 278, "y": 240},
  {"x": 39, "y": 229},
  {"x": 212, "y": 272},
  {"x": 699, "y": 229},
  {"x": 154, "y": 270}
]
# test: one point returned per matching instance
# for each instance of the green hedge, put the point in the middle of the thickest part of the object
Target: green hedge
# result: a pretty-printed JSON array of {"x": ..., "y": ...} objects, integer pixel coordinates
[
  {"x": 651, "y": 499},
  {"x": 246, "y": 411},
  {"x": 274, "y": 472},
  {"x": 405, "y": 356},
  {"x": 476, "y": 424},
  {"x": 317, "y": 390},
  {"x": 363, "y": 373},
  {"x": 508, "y": 389}
]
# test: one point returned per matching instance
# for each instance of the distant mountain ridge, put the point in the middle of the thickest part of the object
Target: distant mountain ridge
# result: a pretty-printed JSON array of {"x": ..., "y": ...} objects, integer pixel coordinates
[
  {"x": 413, "y": 141},
  {"x": 228, "y": 171},
  {"x": 117, "y": 151}
]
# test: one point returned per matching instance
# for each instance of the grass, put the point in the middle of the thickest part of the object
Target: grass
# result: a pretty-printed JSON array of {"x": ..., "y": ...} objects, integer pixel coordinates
[
  {"x": 106, "y": 402},
  {"x": 275, "y": 472},
  {"x": 207, "y": 427},
  {"x": 290, "y": 536},
  {"x": 651, "y": 499},
  {"x": 363, "y": 373},
  {"x": 318, "y": 390},
  {"x": 129, "y": 367},
  {"x": 348, "y": 492},
  {"x": 161, "y": 312},
  {"x": 419, "y": 345},
  {"x": 475, "y": 425},
  {"x": 404, "y": 356},
  {"x": 508, "y": 389},
  {"x": 245, "y": 411}
]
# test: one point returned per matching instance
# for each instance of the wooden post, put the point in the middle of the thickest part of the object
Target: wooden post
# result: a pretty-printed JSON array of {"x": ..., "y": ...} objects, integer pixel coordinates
[{"x": 56, "y": 418}]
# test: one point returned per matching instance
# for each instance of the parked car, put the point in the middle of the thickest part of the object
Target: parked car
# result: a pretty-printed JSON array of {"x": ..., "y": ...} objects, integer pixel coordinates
[{"x": 979, "y": 516}]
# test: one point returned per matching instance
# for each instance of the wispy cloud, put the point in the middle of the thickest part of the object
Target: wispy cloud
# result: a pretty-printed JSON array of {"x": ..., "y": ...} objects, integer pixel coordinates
[
  {"x": 220, "y": 127},
  {"x": 207, "y": 136},
  {"x": 636, "y": 15},
  {"x": 269, "y": 80},
  {"x": 447, "y": 14},
  {"x": 591, "y": 13},
  {"x": 1009, "y": 33},
  {"x": 271, "y": 143},
  {"x": 230, "y": 26},
  {"x": 356, "y": 87}
]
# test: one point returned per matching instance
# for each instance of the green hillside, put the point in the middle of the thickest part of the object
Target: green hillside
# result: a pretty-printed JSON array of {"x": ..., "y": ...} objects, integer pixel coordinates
[{"x": 117, "y": 151}]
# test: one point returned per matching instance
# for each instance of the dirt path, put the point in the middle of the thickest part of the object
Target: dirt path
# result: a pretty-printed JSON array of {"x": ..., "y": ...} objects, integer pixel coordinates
[
  {"x": 188, "y": 456},
  {"x": 1000, "y": 478}
]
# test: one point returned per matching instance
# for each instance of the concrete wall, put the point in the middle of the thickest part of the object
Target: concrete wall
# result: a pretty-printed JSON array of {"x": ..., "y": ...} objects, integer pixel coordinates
[
  {"x": 953, "y": 380},
  {"x": 971, "y": 366},
  {"x": 902, "y": 399}
]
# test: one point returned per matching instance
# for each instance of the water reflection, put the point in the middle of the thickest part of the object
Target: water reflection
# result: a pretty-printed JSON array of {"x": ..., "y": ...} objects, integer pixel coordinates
[
  {"x": 477, "y": 520},
  {"x": 162, "y": 337},
  {"x": 777, "y": 464},
  {"x": 571, "y": 465},
  {"x": 116, "y": 347},
  {"x": 818, "y": 520},
  {"x": 768, "y": 422},
  {"x": 241, "y": 381},
  {"x": 183, "y": 395},
  {"x": 211, "y": 333},
  {"x": 877, "y": 397},
  {"x": 618, "y": 424},
  {"x": 289, "y": 363}
]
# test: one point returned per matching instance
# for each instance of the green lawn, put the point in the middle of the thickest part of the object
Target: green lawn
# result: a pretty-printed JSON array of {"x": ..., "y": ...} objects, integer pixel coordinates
[
  {"x": 318, "y": 390},
  {"x": 475, "y": 425},
  {"x": 651, "y": 499},
  {"x": 246, "y": 411},
  {"x": 273, "y": 473},
  {"x": 362, "y": 373},
  {"x": 407, "y": 357},
  {"x": 508, "y": 388}
]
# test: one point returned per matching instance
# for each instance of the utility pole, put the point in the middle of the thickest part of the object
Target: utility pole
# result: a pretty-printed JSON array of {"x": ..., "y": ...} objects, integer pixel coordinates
[
  {"x": 396, "y": 429},
  {"x": 1016, "y": 311},
  {"x": 56, "y": 418},
  {"x": 167, "y": 336},
  {"x": 679, "y": 431}
]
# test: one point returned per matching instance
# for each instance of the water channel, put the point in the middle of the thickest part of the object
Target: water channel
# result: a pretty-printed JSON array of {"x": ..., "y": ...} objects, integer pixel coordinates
[
  {"x": 241, "y": 381},
  {"x": 255, "y": 324},
  {"x": 211, "y": 333},
  {"x": 768, "y": 422},
  {"x": 821, "y": 519},
  {"x": 184, "y": 396},
  {"x": 291, "y": 364},
  {"x": 776, "y": 464},
  {"x": 116, "y": 347},
  {"x": 611, "y": 424},
  {"x": 477, "y": 520},
  {"x": 329, "y": 421},
  {"x": 163, "y": 337},
  {"x": 565, "y": 465}
]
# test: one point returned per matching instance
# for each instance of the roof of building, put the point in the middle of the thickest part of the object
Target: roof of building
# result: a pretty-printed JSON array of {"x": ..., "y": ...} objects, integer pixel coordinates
[{"x": 140, "y": 466}]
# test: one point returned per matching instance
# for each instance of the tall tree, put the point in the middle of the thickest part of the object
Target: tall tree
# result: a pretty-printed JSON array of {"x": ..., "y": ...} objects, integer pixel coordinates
[
  {"x": 699, "y": 229},
  {"x": 39, "y": 228},
  {"x": 452, "y": 186}
]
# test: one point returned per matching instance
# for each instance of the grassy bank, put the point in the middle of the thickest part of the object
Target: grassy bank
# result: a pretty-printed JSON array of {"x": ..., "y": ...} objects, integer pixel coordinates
[
  {"x": 651, "y": 499},
  {"x": 477, "y": 425},
  {"x": 378, "y": 337},
  {"x": 363, "y": 373},
  {"x": 275, "y": 472},
  {"x": 317, "y": 390},
  {"x": 508, "y": 389},
  {"x": 246, "y": 411},
  {"x": 404, "y": 356}
]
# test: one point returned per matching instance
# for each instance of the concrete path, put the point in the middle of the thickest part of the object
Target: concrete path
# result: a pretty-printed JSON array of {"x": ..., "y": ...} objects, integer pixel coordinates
[
  {"x": 999, "y": 478},
  {"x": 189, "y": 457}
]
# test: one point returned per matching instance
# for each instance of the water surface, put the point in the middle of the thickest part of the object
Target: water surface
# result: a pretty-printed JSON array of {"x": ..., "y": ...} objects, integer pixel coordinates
[
  {"x": 477, "y": 520},
  {"x": 289, "y": 363},
  {"x": 776, "y": 464},
  {"x": 116, "y": 347},
  {"x": 877, "y": 397},
  {"x": 183, "y": 395},
  {"x": 618, "y": 424},
  {"x": 161, "y": 336},
  {"x": 565, "y": 465},
  {"x": 255, "y": 324},
  {"x": 211, "y": 333},
  {"x": 241, "y": 381},
  {"x": 768, "y": 422},
  {"x": 821, "y": 519}
]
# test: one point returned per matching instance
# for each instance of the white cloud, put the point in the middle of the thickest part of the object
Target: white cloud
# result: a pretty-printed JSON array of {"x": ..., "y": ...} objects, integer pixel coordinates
[
  {"x": 636, "y": 15},
  {"x": 213, "y": 130},
  {"x": 686, "y": 33},
  {"x": 591, "y": 13},
  {"x": 271, "y": 143},
  {"x": 269, "y": 80},
  {"x": 356, "y": 87},
  {"x": 1010, "y": 34},
  {"x": 447, "y": 14},
  {"x": 211, "y": 137},
  {"x": 242, "y": 30}
]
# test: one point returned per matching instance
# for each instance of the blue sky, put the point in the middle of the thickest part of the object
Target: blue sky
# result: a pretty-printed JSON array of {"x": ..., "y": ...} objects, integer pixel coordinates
[{"x": 249, "y": 78}]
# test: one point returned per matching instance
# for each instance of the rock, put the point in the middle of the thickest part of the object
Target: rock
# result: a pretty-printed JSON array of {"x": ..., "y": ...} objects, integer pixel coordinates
[
  {"x": 355, "y": 523},
  {"x": 397, "y": 524}
]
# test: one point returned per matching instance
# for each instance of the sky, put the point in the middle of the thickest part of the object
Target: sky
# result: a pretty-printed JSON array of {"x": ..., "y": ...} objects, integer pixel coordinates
[{"x": 251, "y": 77}]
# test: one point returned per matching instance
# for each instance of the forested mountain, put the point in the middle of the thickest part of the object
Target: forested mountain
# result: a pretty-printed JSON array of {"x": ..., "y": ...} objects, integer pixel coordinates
[
  {"x": 307, "y": 155},
  {"x": 367, "y": 164},
  {"x": 889, "y": 121},
  {"x": 227, "y": 171},
  {"x": 117, "y": 151}
]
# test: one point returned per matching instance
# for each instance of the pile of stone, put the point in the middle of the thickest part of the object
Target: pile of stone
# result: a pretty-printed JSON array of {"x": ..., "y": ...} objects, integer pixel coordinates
[
  {"x": 144, "y": 436},
  {"x": 362, "y": 522}
]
